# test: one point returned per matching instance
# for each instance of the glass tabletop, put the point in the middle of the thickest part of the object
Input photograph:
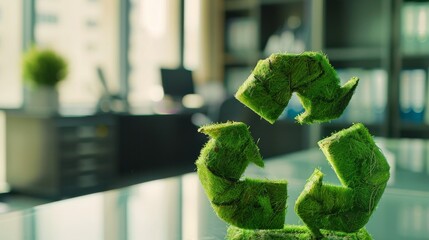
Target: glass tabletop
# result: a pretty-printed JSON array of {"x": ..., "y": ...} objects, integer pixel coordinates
[{"x": 177, "y": 208}]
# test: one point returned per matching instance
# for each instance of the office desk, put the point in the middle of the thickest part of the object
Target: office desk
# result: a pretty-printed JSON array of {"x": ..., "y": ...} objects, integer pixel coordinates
[
  {"x": 59, "y": 157},
  {"x": 176, "y": 208}
]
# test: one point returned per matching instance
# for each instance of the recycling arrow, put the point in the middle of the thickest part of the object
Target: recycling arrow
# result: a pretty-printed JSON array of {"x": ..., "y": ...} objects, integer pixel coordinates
[
  {"x": 269, "y": 88},
  {"x": 256, "y": 208},
  {"x": 363, "y": 172},
  {"x": 248, "y": 203}
]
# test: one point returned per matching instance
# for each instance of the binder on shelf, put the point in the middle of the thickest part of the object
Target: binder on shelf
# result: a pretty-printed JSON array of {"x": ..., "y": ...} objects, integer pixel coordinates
[
  {"x": 404, "y": 95},
  {"x": 234, "y": 78},
  {"x": 408, "y": 25},
  {"x": 418, "y": 88},
  {"x": 241, "y": 35},
  {"x": 415, "y": 27},
  {"x": 379, "y": 93},
  {"x": 358, "y": 109},
  {"x": 345, "y": 75},
  {"x": 285, "y": 40},
  {"x": 365, "y": 98},
  {"x": 369, "y": 101},
  {"x": 426, "y": 96},
  {"x": 412, "y": 95}
]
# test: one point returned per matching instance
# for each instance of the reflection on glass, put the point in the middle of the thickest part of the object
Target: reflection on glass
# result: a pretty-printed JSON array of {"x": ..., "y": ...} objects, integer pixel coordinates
[
  {"x": 177, "y": 208},
  {"x": 154, "y": 210},
  {"x": 427, "y": 157},
  {"x": 85, "y": 32},
  {"x": 10, "y": 46},
  {"x": 417, "y": 159},
  {"x": 115, "y": 219},
  {"x": 402, "y": 214},
  {"x": 61, "y": 220},
  {"x": 199, "y": 221},
  {"x": 12, "y": 226},
  {"x": 190, "y": 207}
]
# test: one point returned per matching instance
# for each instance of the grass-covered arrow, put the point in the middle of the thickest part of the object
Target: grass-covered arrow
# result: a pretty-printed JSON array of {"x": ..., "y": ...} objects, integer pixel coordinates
[
  {"x": 269, "y": 87},
  {"x": 257, "y": 208},
  {"x": 248, "y": 203},
  {"x": 363, "y": 172}
]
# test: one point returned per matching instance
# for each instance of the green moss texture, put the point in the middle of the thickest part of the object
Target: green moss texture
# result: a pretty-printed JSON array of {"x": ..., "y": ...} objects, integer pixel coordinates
[
  {"x": 245, "y": 203},
  {"x": 269, "y": 88},
  {"x": 256, "y": 208},
  {"x": 290, "y": 232},
  {"x": 363, "y": 172}
]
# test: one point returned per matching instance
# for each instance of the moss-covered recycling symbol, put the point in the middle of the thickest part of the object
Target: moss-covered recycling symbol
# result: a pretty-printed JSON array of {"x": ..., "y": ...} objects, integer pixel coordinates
[{"x": 256, "y": 208}]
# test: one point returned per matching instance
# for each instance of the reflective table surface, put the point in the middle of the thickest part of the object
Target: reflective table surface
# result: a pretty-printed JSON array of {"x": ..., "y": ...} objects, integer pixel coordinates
[{"x": 177, "y": 208}]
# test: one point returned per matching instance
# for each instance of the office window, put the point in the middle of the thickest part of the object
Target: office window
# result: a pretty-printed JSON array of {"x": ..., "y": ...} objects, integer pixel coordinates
[
  {"x": 192, "y": 31},
  {"x": 202, "y": 51},
  {"x": 10, "y": 69},
  {"x": 10, "y": 52},
  {"x": 154, "y": 43},
  {"x": 85, "y": 32}
]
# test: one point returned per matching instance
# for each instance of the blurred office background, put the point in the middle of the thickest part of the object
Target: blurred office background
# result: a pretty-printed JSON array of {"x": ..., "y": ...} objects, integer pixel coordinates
[{"x": 119, "y": 47}]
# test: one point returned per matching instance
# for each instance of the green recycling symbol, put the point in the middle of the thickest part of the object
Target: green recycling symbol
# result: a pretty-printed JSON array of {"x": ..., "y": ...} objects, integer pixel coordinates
[{"x": 256, "y": 208}]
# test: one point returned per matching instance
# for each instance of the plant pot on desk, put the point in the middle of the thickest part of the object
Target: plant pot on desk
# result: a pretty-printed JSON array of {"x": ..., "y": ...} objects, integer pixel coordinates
[
  {"x": 43, "y": 69},
  {"x": 41, "y": 100}
]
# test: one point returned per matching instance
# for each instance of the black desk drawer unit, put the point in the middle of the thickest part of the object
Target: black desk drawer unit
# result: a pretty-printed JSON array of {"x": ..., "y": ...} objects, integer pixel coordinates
[
  {"x": 60, "y": 157},
  {"x": 157, "y": 142}
]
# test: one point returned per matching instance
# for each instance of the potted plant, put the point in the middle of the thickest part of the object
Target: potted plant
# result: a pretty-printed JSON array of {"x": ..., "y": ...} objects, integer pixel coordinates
[{"x": 43, "y": 69}]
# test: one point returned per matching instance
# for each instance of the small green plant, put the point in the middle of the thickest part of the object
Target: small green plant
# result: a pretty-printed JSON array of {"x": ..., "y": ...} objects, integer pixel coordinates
[{"x": 43, "y": 67}]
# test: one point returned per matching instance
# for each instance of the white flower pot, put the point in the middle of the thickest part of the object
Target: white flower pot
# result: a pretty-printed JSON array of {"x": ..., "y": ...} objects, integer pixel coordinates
[{"x": 41, "y": 100}]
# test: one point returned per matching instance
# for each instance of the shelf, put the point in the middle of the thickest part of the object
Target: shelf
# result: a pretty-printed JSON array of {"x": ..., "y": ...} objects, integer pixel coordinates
[
  {"x": 362, "y": 23},
  {"x": 362, "y": 36},
  {"x": 248, "y": 5},
  {"x": 242, "y": 59},
  {"x": 355, "y": 53},
  {"x": 409, "y": 130},
  {"x": 376, "y": 129},
  {"x": 240, "y": 5},
  {"x": 414, "y": 127},
  {"x": 415, "y": 0},
  {"x": 277, "y": 18},
  {"x": 415, "y": 61},
  {"x": 360, "y": 57},
  {"x": 274, "y": 2}
]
